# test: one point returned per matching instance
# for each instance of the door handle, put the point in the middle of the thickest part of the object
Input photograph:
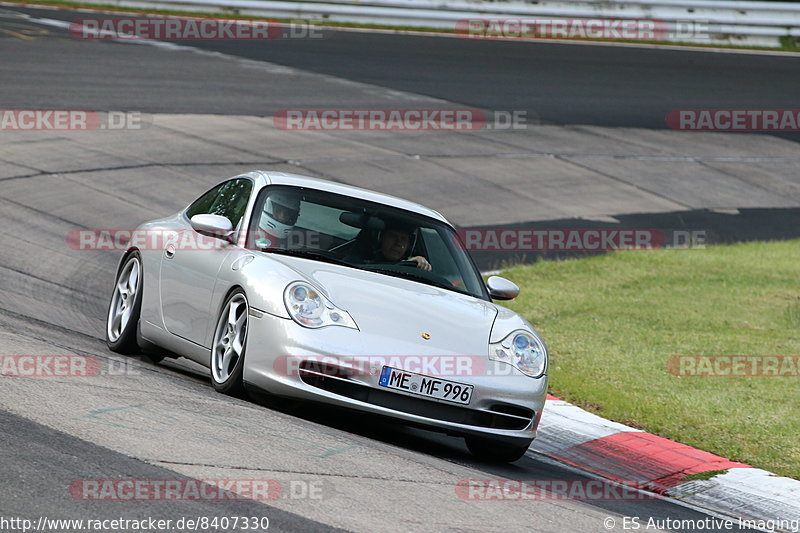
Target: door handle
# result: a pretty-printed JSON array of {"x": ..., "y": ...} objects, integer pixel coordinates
[{"x": 169, "y": 252}]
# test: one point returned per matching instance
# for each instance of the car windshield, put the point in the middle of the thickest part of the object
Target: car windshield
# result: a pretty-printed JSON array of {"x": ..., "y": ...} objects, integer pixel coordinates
[{"x": 361, "y": 234}]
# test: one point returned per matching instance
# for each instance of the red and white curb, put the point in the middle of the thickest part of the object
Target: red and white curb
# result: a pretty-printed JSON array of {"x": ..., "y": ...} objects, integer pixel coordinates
[{"x": 623, "y": 454}]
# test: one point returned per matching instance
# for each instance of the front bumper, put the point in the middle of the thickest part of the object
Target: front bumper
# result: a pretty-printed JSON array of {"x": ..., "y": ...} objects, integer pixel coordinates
[{"x": 505, "y": 407}]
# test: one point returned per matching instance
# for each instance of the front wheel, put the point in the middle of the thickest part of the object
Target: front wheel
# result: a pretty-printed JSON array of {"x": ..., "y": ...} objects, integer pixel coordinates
[
  {"x": 496, "y": 452},
  {"x": 230, "y": 341},
  {"x": 125, "y": 307}
]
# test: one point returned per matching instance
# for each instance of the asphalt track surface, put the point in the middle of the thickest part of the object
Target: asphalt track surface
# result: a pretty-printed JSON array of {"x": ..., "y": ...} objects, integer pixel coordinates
[
  {"x": 165, "y": 421},
  {"x": 558, "y": 83}
]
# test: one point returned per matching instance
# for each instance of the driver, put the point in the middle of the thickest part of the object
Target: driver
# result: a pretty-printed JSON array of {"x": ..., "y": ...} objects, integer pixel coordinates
[
  {"x": 395, "y": 244},
  {"x": 279, "y": 216}
]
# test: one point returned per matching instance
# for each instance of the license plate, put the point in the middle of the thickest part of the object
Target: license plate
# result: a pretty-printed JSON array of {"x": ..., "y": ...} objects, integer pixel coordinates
[{"x": 441, "y": 389}]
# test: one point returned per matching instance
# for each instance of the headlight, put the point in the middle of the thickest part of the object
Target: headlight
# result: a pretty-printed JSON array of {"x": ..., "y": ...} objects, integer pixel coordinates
[
  {"x": 311, "y": 309},
  {"x": 523, "y": 350}
]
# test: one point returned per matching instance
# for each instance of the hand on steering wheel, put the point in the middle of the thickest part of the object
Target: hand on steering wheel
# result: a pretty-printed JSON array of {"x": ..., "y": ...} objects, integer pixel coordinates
[{"x": 419, "y": 262}]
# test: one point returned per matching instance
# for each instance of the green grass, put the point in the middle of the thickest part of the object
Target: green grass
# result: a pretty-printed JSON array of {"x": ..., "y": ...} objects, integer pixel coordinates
[
  {"x": 788, "y": 43},
  {"x": 704, "y": 475},
  {"x": 611, "y": 323}
]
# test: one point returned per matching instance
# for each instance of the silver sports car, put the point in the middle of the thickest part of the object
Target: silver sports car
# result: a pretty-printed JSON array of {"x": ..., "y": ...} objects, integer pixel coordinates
[{"x": 314, "y": 290}]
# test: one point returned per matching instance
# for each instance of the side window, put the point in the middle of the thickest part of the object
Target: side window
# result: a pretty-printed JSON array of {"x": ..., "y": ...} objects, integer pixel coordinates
[
  {"x": 438, "y": 254},
  {"x": 202, "y": 206},
  {"x": 228, "y": 199},
  {"x": 231, "y": 201}
]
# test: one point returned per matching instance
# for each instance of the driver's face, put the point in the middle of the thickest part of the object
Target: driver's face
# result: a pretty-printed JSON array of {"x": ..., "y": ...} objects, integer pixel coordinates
[
  {"x": 394, "y": 244},
  {"x": 284, "y": 215}
]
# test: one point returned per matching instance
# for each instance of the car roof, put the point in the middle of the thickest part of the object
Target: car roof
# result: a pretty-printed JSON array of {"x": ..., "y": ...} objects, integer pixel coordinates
[{"x": 282, "y": 178}]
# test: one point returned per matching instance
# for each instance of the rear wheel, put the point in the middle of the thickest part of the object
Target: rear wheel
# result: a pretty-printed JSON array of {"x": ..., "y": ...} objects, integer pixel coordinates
[
  {"x": 228, "y": 348},
  {"x": 494, "y": 451},
  {"x": 125, "y": 307}
]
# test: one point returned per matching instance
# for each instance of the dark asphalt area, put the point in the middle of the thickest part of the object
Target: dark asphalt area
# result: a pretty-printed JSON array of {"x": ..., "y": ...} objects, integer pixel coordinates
[{"x": 558, "y": 83}]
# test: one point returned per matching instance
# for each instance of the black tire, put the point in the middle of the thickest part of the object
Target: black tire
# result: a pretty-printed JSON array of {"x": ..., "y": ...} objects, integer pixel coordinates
[
  {"x": 121, "y": 337},
  {"x": 494, "y": 451},
  {"x": 227, "y": 377}
]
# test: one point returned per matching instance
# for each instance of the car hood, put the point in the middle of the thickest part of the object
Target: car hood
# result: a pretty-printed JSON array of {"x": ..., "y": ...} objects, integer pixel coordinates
[{"x": 393, "y": 313}]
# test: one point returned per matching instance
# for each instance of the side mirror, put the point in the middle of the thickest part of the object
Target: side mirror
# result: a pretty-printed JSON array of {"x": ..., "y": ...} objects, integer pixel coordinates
[
  {"x": 501, "y": 288},
  {"x": 213, "y": 225}
]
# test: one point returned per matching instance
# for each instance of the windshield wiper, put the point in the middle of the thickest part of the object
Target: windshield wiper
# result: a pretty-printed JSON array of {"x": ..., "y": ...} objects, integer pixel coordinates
[
  {"x": 417, "y": 277},
  {"x": 308, "y": 254}
]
